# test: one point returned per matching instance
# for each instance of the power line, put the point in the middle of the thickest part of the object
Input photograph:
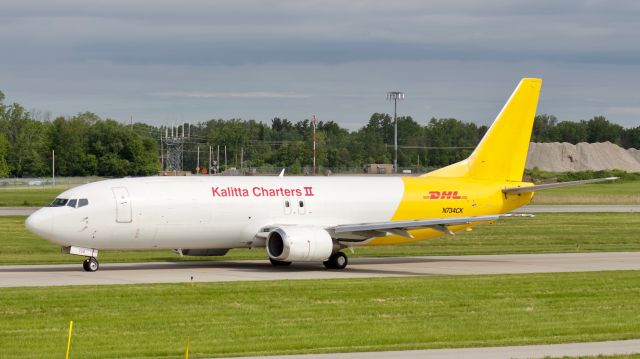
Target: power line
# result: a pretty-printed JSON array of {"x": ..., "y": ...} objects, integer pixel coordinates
[{"x": 435, "y": 147}]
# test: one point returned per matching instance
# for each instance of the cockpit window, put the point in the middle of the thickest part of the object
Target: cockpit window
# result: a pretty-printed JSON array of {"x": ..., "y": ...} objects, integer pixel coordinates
[
  {"x": 82, "y": 202},
  {"x": 72, "y": 203},
  {"x": 58, "y": 202}
]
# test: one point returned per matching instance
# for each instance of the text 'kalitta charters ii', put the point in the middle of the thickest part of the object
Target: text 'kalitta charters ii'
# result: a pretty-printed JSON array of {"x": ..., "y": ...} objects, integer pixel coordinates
[{"x": 259, "y": 191}]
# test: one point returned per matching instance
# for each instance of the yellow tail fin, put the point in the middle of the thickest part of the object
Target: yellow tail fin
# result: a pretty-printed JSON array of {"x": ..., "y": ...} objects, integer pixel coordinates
[{"x": 502, "y": 152}]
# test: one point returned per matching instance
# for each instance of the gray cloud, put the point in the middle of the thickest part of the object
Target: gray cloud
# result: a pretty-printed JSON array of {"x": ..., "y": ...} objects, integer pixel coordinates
[
  {"x": 227, "y": 95},
  {"x": 259, "y": 59}
]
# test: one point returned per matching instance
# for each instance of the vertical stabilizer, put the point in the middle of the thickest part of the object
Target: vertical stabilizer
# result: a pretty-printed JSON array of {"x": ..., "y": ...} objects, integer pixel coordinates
[{"x": 502, "y": 152}]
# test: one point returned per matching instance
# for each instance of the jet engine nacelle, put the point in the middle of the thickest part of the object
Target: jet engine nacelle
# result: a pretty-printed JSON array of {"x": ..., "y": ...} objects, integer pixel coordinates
[{"x": 299, "y": 244}]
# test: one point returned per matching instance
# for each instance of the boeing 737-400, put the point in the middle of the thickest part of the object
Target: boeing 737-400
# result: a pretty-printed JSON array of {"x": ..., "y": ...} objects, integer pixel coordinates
[{"x": 300, "y": 219}]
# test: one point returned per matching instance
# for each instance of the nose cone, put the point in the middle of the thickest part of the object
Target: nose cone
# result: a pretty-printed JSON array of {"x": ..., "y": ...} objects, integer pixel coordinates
[{"x": 40, "y": 223}]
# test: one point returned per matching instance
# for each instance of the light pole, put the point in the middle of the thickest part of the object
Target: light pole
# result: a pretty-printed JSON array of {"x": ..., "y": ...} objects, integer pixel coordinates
[
  {"x": 314, "y": 123},
  {"x": 395, "y": 96}
]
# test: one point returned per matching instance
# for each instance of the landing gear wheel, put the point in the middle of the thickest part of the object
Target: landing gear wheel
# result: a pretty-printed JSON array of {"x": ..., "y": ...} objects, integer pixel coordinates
[
  {"x": 337, "y": 260},
  {"x": 277, "y": 263},
  {"x": 90, "y": 264}
]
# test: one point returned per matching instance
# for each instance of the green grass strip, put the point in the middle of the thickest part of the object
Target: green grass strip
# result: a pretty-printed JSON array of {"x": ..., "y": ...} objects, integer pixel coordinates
[
  {"x": 317, "y": 316},
  {"x": 28, "y": 197}
]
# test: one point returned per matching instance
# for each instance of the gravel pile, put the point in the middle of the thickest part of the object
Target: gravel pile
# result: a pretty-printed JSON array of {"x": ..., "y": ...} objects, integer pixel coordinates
[
  {"x": 566, "y": 157},
  {"x": 635, "y": 153}
]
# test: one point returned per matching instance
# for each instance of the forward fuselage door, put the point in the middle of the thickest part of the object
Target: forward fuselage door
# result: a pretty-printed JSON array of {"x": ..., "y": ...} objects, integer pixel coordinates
[{"x": 123, "y": 204}]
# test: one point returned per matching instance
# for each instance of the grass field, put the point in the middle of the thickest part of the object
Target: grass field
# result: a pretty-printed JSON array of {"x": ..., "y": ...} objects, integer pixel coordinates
[
  {"x": 546, "y": 233},
  {"x": 285, "y": 317},
  {"x": 622, "y": 356},
  {"x": 29, "y": 197},
  {"x": 617, "y": 192}
]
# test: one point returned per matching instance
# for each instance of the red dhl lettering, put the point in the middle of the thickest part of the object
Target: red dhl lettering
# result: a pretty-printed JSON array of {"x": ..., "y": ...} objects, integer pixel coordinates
[{"x": 444, "y": 195}]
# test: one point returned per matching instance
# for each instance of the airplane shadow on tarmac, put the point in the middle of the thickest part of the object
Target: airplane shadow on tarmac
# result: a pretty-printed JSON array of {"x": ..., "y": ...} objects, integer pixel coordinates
[{"x": 385, "y": 266}]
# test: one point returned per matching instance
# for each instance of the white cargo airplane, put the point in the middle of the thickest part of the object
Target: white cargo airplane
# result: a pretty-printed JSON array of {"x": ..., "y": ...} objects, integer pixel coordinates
[{"x": 300, "y": 219}]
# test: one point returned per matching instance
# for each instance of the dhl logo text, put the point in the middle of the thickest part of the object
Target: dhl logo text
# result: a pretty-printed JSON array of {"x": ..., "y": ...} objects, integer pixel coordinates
[{"x": 444, "y": 195}]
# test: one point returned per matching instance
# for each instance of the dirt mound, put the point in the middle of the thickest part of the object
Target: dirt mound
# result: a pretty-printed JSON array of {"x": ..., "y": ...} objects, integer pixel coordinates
[
  {"x": 635, "y": 153},
  {"x": 566, "y": 157}
]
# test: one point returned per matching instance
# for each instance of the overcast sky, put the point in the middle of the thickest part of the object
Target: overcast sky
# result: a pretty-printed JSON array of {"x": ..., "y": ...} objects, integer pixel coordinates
[{"x": 165, "y": 62}]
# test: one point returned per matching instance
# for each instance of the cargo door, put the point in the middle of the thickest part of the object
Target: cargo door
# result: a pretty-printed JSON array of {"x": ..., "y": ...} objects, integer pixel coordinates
[{"x": 123, "y": 204}]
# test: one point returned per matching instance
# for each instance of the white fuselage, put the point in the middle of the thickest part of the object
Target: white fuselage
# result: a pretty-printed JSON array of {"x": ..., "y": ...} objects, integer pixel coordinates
[{"x": 210, "y": 211}]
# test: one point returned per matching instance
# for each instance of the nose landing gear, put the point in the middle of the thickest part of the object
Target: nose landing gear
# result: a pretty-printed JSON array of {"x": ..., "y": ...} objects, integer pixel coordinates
[{"x": 90, "y": 264}]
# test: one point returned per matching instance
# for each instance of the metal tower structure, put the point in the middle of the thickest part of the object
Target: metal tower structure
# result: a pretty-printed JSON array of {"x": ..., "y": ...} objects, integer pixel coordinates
[{"x": 173, "y": 142}]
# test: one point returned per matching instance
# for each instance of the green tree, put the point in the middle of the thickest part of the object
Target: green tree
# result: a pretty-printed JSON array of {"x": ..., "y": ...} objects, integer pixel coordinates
[
  {"x": 28, "y": 142},
  {"x": 120, "y": 151},
  {"x": 631, "y": 138},
  {"x": 449, "y": 132},
  {"x": 4, "y": 147},
  {"x": 69, "y": 138},
  {"x": 544, "y": 128},
  {"x": 601, "y": 130},
  {"x": 373, "y": 139},
  {"x": 572, "y": 132}
]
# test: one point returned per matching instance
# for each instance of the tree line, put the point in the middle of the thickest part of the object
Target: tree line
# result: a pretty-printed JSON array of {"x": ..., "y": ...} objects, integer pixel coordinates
[
  {"x": 86, "y": 144},
  {"x": 546, "y": 128}
]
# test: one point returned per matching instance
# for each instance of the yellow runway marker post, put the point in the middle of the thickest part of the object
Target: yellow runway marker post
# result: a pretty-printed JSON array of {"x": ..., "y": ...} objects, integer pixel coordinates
[
  {"x": 69, "y": 339},
  {"x": 186, "y": 352}
]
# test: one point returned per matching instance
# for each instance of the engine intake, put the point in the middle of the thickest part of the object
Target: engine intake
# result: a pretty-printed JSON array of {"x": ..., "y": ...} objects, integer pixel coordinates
[{"x": 299, "y": 244}]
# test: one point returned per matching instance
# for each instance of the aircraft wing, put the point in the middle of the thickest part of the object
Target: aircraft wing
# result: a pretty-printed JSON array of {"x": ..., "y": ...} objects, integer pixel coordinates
[
  {"x": 377, "y": 229},
  {"x": 554, "y": 185}
]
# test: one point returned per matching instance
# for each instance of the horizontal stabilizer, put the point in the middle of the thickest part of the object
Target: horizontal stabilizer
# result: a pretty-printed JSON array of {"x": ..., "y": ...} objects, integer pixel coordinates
[{"x": 540, "y": 187}]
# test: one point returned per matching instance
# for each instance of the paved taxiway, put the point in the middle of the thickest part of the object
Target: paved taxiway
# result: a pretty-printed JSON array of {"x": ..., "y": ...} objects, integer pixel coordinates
[
  {"x": 17, "y": 211},
  {"x": 223, "y": 271},
  {"x": 525, "y": 351}
]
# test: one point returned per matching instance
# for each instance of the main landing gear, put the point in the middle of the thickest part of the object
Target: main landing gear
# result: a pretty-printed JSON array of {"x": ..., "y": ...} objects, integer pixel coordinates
[
  {"x": 90, "y": 264},
  {"x": 338, "y": 260}
]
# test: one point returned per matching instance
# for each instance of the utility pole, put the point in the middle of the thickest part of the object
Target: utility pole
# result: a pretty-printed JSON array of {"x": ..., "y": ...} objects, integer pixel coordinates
[
  {"x": 198, "y": 165},
  {"x": 209, "y": 169},
  {"x": 395, "y": 96},
  {"x": 161, "y": 151},
  {"x": 314, "y": 123},
  {"x": 53, "y": 166}
]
